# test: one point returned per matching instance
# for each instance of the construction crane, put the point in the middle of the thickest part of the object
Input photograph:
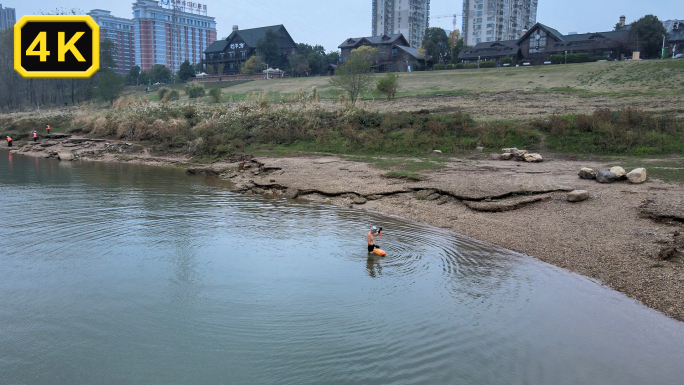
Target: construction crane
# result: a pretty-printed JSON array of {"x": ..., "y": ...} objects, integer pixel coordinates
[{"x": 455, "y": 16}]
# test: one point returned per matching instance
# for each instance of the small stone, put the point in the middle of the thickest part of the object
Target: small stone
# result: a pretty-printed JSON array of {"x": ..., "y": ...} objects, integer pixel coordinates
[
  {"x": 423, "y": 194},
  {"x": 432, "y": 197},
  {"x": 494, "y": 156},
  {"x": 479, "y": 149},
  {"x": 291, "y": 193},
  {"x": 578, "y": 196},
  {"x": 258, "y": 190},
  {"x": 618, "y": 171},
  {"x": 436, "y": 152},
  {"x": 359, "y": 200},
  {"x": 605, "y": 176},
  {"x": 587, "y": 173},
  {"x": 638, "y": 175},
  {"x": 373, "y": 197},
  {"x": 509, "y": 150}
]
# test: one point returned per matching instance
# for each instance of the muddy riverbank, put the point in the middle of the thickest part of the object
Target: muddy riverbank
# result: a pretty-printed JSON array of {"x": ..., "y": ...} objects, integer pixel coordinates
[{"x": 627, "y": 236}]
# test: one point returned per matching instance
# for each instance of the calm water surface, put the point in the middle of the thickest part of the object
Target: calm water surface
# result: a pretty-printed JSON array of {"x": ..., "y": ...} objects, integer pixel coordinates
[{"x": 118, "y": 274}]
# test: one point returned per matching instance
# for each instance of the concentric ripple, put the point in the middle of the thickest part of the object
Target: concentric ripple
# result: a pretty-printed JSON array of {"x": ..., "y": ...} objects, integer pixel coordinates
[{"x": 115, "y": 274}]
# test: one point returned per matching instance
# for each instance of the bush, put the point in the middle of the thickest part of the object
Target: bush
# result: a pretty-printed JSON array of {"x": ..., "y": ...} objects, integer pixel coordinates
[
  {"x": 487, "y": 64},
  {"x": 215, "y": 94},
  {"x": 173, "y": 95},
  {"x": 388, "y": 85},
  {"x": 439, "y": 67},
  {"x": 459, "y": 66},
  {"x": 162, "y": 92},
  {"x": 506, "y": 60},
  {"x": 196, "y": 92},
  {"x": 470, "y": 66},
  {"x": 572, "y": 58}
]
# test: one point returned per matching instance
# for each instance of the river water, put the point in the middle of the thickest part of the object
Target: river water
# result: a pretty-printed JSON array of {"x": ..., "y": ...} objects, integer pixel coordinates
[{"x": 121, "y": 274}]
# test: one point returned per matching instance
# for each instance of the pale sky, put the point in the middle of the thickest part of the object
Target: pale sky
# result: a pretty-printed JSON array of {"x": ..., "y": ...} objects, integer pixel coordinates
[{"x": 329, "y": 23}]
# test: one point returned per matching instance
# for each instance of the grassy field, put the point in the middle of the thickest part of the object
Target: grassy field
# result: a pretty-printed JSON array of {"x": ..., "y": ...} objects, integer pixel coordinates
[{"x": 652, "y": 77}]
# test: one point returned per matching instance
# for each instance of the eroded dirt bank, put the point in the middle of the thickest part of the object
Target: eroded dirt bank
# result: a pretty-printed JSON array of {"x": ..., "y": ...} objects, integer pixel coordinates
[{"x": 627, "y": 236}]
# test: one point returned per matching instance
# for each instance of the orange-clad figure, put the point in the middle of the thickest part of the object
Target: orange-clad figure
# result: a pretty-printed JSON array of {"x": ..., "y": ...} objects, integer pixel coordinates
[
  {"x": 370, "y": 239},
  {"x": 48, "y": 129},
  {"x": 35, "y": 136},
  {"x": 9, "y": 141}
]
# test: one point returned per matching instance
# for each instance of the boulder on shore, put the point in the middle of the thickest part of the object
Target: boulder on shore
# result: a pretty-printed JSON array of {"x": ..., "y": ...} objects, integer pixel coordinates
[
  {"x": 587, "y": 173},
  {"x": 578, "y": 196},
  {"x": 65, "y": 155},
  {"x": 506, "y": 156},
  {"x": 618, "y": 171},
  {"x": 638, "y": 175},
  {"x": 533, "y": 158},
  {"x": 291, "y": 193},
  {"x": 605, "y": 176}
]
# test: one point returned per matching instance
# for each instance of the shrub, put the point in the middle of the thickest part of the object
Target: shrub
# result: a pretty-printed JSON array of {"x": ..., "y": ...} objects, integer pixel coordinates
[
  {"x": 388, "y": 85},
  {"x": 459, "y": 66},
  {"x": 572, "y": 58},
  {"x": 196, "y": 92},
  {"x": 173, "y": 95},
  {"x": 215, "y": 94},
  {"x": 470, "y": 66},
  {"x": 162, "y": 92},
  {"x": 439, "y": 67},
  {"x": 506, "y": 60},
  {"x": 487, "y": 64}
]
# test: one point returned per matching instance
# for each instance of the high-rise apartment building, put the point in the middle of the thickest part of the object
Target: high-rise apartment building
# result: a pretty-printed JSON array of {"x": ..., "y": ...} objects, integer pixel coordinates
[
  {"x": 408, "y": 17},
  {"x": 496, "y": 20},
  {"x": 8, "y": 18},
  {"x": 169, "y": 32},
  {"x": 120, "y": 31}
]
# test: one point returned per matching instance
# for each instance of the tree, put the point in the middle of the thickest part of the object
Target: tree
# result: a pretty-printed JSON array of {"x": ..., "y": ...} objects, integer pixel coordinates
[
  {"x": 355, "y": 76},
  {"x": 133, "y": 75},
  {"x": 107, "y": 51},
  {"x": 160, "y": 74},
  {"x": 110, "y": 86},
  {"x": 388, "y": 85},
  {"x": 269, "y": 48},
  {"x": 186, "y": 72},
  {"x": 332, "y": 58},
  {"x": 618, "y": 27},
  {"x": 253, "y": 65},
  {"x": 210, "y": 69},
  {"x": 315, "y": 62},
  {"x": 454, "y": 37},
  {"x": 219, "y": 68},
  {"x": 199, "y": 68},
  {"x": 456, "y": 50},
  {"x": 436, "y": 45},
  {"x": 649, "y": 32},
  {"x": 298, "y": 63}
]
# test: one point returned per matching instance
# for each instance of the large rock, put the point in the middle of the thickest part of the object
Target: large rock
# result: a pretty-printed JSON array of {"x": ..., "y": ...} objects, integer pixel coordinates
[
  {"x": 506, "y": 156},
  {"x": 509, "y": 150},
  {"x": 64, "y": 155},
  {"x": 587, "y": 173},
  {"x": 578, "y": 196},
  {"x": 638, "y": 175},
  {"x": 358, "y": 200},
  {"x": 605, "y": 176},
  {"x": 291, "y": 193},
  {"x": 520, "y": 154},
  {"x": 533, "y": 158},
  {"x": 618, "y": 171}
]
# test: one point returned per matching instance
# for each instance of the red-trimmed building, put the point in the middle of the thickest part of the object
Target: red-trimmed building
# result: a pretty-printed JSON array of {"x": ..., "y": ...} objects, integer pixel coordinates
[{"x": 168, "y": 32}]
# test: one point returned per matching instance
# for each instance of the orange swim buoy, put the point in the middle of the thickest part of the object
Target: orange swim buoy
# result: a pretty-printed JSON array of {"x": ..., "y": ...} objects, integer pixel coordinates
[{"x": 380, "y": 252}]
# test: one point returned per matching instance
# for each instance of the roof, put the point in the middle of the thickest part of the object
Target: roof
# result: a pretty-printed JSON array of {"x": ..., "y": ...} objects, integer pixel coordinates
[
  {"x": 373, "y": 40},
  {"x": 411, "y": 51},
  {"x": 491, "y": 49},
  {"x": 251, "y": 36},
  {"x": 216, "y": 46}
]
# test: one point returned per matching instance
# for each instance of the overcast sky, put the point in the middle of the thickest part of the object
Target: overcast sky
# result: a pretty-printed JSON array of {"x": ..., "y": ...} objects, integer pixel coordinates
[{"x": 328, "y": 23}]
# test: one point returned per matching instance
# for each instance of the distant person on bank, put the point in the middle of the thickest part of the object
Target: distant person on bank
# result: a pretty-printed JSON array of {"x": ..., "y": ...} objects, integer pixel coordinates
[
  {"x": 9, "y": 141},
  {"x": 35, "y": 136},
  {"x": 48, "y": 129}
]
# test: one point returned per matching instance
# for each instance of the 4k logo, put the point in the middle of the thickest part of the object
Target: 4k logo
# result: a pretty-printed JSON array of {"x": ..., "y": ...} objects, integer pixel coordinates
[{"x": 56, "y": 47}]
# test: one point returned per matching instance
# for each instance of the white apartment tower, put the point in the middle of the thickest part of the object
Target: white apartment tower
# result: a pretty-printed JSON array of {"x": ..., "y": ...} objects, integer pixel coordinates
[
  {"x": 495, "y": 20},
  {"x": 408, "y": 17}
]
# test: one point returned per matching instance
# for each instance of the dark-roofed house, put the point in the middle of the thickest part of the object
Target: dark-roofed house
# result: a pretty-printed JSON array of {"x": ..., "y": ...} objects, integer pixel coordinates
[
  {"x": 394, "y": 51},
  {"x": 234, "y": 50},
  {"x": 542, "y": 41},
  {"x": 675, "y": 28}
]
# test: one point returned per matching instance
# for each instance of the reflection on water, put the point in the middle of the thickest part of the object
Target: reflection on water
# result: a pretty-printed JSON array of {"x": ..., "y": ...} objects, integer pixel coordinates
[{"x": 122, "y": 274}]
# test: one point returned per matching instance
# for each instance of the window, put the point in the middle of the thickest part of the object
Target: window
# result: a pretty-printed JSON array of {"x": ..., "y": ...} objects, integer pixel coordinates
[
  {"x": 394, "y": 52},
  {"x": 490, "y": 25},
  {"x": 478, "y": 20},
  {"x": 479, "y": 13},
  {"x": 478, "y": 40},
  {"x": 480, "y": 6},
  {"x": 478, "y": 27},
  {"x": 490, "y": 39},
  {"x": 137, "y": 14}
]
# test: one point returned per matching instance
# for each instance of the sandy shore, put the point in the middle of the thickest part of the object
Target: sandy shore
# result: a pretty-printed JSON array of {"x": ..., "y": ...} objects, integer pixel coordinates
[{"x": 627, "y": 236}]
